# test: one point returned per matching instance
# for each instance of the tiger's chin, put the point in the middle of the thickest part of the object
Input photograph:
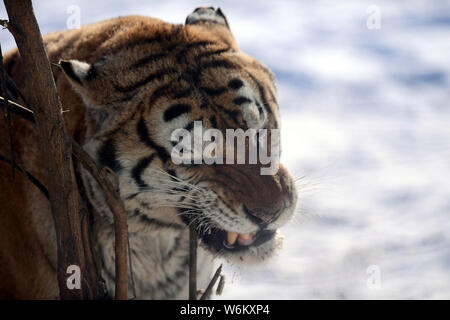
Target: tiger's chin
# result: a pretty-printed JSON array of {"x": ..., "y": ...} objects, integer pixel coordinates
[{"x": 240, "y": 249}]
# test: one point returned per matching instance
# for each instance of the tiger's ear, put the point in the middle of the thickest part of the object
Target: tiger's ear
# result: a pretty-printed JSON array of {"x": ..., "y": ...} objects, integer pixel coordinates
[
  {"x": 79, "y": 73},
  {"x": 214, "y": 21},
  {"x": 205, "y": 15},
  {"x": 86, "y": 80}
]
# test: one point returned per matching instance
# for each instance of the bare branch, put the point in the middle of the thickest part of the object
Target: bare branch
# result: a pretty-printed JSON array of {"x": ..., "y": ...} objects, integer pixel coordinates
[
  {"x": 211, "y": 284},
  {"x": 192, "y": 262},
  {"x": 120, "y": 221},
  {"x": 30, "y": 177}
]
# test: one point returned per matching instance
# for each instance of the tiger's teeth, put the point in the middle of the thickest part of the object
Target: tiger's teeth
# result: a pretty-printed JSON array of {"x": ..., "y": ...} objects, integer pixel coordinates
[
  {"x": 245, "y": 239},
  {"x": 231, "y": 237}
]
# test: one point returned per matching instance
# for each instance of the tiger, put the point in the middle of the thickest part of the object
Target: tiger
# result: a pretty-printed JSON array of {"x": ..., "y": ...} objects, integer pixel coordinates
[{"x": 125, "y": 84}]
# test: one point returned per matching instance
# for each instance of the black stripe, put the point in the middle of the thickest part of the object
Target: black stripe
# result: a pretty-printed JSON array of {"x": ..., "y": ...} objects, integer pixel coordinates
[
  {"x": 261, "y": 112},
  {"x": 217, "y": 64},
  {"x": 216, "y": 110},
  {"x": 144, "y": 205},
  {"x": 213, "y": 121},
  {"x": 132, "y": 196},
  {"x": 145, "y": 138},
  {"x": 150, "y": 59},
  {"x": 162, "y": 91},
  {"x": 272, "y": 96},
  {"x": 154, "y": 76},
  {"x": 262, "y": 92},
  {"x": 139, "y": 169},
  {"x": 263, "y": 98},
  {"x": 214, "y": 91},
  {"x": 172, "y": 173},
  {"x": 197, "y": 44},
  {"x": 107, "y": 155},
  {"x": 241, "y": 100},
  {"x": 189, "y": 127},
  {"x": 201, "y": 21},
  {"x": 124, "y": 99},
  {"x": 212, "y": 53},
  {"x": 171, "y": 286},
  {"x": 235, "y": 84},
  {"x": 193, "y": 45},
  {"x": 138, "y": 42},
  {"x": 183, "y": 93},
  {"x": 233, "y": 114},
  {"x": 177, "y": 190},
  {"x": 266, "y": 71},
  {"x": 176, "y": 111},
  {"x": 191, "y": 75},
  {"x": 174, "y": 248},
  {"x": 168, "y": 91}
]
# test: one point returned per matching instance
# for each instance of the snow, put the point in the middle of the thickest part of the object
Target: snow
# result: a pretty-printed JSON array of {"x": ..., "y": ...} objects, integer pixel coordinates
[{"x": 365, "y": 130}]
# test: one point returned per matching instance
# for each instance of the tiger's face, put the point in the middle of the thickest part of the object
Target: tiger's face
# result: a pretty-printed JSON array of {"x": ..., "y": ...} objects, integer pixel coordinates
[{"x": 155, "y": 78}]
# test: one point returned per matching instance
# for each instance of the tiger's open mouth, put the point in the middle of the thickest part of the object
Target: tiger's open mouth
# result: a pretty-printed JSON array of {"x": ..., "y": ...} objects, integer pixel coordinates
[{"x": 219, "y": 239}]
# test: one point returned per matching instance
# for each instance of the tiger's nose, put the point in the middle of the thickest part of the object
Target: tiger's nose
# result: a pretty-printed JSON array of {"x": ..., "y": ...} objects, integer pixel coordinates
[{"x": 261, "y": 216}]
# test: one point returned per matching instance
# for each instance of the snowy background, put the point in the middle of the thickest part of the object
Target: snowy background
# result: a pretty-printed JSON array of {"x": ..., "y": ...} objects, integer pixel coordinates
[{"x": 365, "y": 130}]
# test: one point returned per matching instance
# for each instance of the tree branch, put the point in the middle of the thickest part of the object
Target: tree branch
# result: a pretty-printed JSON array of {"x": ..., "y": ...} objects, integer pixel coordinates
[
  {"x": 54, "y": 144},
  {"x": 211, "y": 284},
  {"x": 192, "y": 262},
  {"x": 120, "y": 221}
]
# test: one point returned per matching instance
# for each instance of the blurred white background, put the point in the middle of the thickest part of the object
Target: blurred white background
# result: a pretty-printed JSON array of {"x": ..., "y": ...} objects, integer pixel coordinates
[{"x": 365, "y": 104}]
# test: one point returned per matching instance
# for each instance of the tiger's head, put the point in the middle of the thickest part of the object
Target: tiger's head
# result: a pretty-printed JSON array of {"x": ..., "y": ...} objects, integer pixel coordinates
[{"x": 149, "y": 78}]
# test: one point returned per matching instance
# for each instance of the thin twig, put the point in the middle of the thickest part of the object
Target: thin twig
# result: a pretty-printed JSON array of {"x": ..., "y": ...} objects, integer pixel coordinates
[
  {"x": 220, "y": 286},
  {"x": 20, "y": 110},
  {"x": 30, "y": 177},
  {"x": 133, "y": 286},
  {"x": 192, "y": 262},
  {"x": 211, "y": 284}
]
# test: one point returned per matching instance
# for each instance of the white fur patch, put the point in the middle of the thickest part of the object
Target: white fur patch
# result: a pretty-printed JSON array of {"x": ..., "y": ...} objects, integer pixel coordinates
[
  {"x": 253, "y": 112},
  {"x": 80, "y": 68}
]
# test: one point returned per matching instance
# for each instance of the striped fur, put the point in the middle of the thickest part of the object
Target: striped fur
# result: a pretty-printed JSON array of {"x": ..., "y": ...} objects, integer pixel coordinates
[{"x": 126, "y": 84}]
